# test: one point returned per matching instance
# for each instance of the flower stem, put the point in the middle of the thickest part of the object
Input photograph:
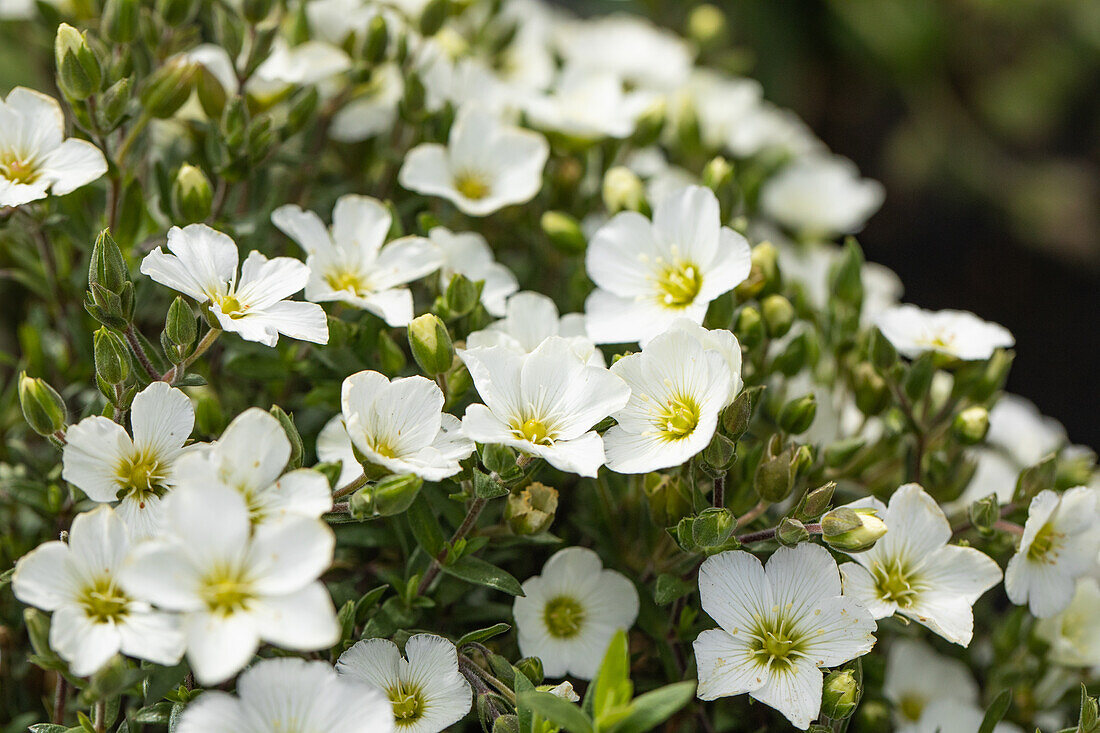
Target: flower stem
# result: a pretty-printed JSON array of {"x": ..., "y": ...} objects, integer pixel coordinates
[
  {"x": 769, "y": 534},
  {"x": 176, "y": 372},
  {"x": 718, "y": 496},
  {"x": 463, "y": 529},
  {"x": 60, "y": 699},
  {"x": 139, "y": 351},
  {"x": 351, "y": 487},
  {"x": 131, "y": 138},
  {"x": 101, "y": 716},
  {"x": 751, "y": 514}
]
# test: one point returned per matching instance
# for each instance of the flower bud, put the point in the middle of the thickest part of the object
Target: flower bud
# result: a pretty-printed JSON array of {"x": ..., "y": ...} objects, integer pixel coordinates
[
  {"x": 623, "y": 191},
  {"x": 845, "y": 280},
  {"x": 391, "y": 495},
  {"x": 840, "y": 694},
  {"x": 192, "y": 196},
  {"x": 180, "y": 325},
  {"x": 650, "y": 124},
  {"x": 431, "y": 345},
  {"x": 718, "y": 177},
  {"x": 168, "y": 88},
  {"x": 42, "y": 406},
  {"x": 798, "y": 414},
  {"x": 177, "y": 12},
  {"x": 531, "y": 667},
  {"x": 531, "y": 511},
  {"x": 112, "y": 104},
  {"x": 707, "y": 26},
  {"x": 112, "y": 357},
  {"x": 107, "y": 267},
  {"x": 817, "y": 501},
  {"x": 257, "y": 10},
  {"x": 376, "y": 40},
  {"x": 774, "y": 477},
  {"x": 984, "y": 513},
  {"x": 668, "y": 498},
  {"x": 763, "y": 274},
  {"x": 720, "y": 454},
  {"x": 302, "y": 108},
  {"x": 297, "y": 447},
  {"x": 212, "y": 95},
  {"x": 79, "y": 73},
  {"x": 412, "y": 104},
  {"x": 918, "y": 380},
  {"x": 461, "y": 296},
  {"x": 778, "y": 315},
  {"x": 433, "y": 16},
  {"x": 736, "y": 417},
  {"x": 121, "y": 19},
  {"x": 713, "y": 527},
  {"x": 749, "y": 327},
  {"x": 852, "y": 530},
  {"x": 871, "y": 391},
  {"x": 564, "y": 232},
  {"x": 971, "y": 425},
  {"x": 995, "y": 375},
  {"x": 683, "y": 535},
  {"x": 791, "y": 531},
  {"x": 883, "y": 353}
]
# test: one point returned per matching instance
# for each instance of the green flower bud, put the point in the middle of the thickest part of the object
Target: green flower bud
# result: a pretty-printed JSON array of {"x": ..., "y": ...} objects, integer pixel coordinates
[
  {"x": 791, "y": 531},
  {"x": 736, "y": 417},
  {"x": 918, "y": 380},
  {"x": 177, "y": 12},
  {"x": 798, "y": 415},
  {"x": 412, "y": 104},
  {"x": 668, "y": 497},
  {"x": 720, "y": 454},
  {"x": 192, "y": 196},
  {"x": 775, "y": 474},
  {"x": 212, "y": 95},
  {"x": 707, "y": 26},
  {"x": 624, "y": 191},
  {"x": 506, "y": 724},
  {"x": 461, "y": 296},
  {"x": 871, "y": 391},
  {"x": 718, "y": 177},
  {"x": 297, "y": 447},
  {"x": 1076, "y": 468},
  {"x": 302, "y": 108},
  {"x": 433, "y": 16},
  {"x": 749, "y": 327},
  {"x": 971, "y": 425},
  {"x": 391, "y": 495},
  {"x": 564, "y": 232},
  {"x": 431, "y": 345},
  {"x": 531, "y": 511},
  {"x": 713, "y": 527},
  {"x": 180, "y": 325},
  {"x": 257, "y": 10},
  {"x": 764, "y": 273},
  {"x": 995, "y": 375},
  {"x": 112, "y": 357},
  {"x": 168, "y": 88},
  {"x": 376, "y": 40},
  {"x": 840, "y": 694},
  {"x": 1036, "y": 478},
  {"x": 852, "y": 530},
  {"x": 79, "y": 73},
  {"x": 650, "y": 124},
  {"x": 107, "y": 267},
  {"x": 817, "y": 501},
  {"x": 531, "y": 667},
  {"x": 683, "y": 534},
  {"x": 846, "y": 277},
  {"x": 984, "y": 513},
  {"x": 42, "y": 406},
  {"x": 112, "y": 104},
  {"x": 121, "y": 19},
  {"x": 778, "y": 315},
  {"x": 883, "y": 354}
]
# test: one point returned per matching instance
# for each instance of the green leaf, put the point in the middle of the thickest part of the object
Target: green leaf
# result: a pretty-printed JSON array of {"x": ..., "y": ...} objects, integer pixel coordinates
[
  {"x": 523, "y": 685},
  {"x": 996, "y": 711},
  {"x": 653, "y": 708},
  {"x": 476, "y": 570},
  {"x": 47, "y": 728},
  {"x": 557, "y": 710},
  {"x": 669, "y": 587},
  {"x": 483, "y": 634},
  {"x": 613, "y": 688},
  {"x": 425, "y": 527}
]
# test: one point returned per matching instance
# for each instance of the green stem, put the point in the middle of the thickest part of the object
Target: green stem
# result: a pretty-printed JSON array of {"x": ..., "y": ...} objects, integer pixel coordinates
[
  {"x": 176, "y": 372},
  {"x": 131, "y": 138},
  {"x": 351, "y": 487},
  {"x": 139, "y": 351},
  {"x": 463, "y": 529}
]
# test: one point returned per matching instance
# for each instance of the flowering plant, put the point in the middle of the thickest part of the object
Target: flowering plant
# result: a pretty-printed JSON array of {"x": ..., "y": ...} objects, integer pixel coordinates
[{"x": 464, "y": 364}]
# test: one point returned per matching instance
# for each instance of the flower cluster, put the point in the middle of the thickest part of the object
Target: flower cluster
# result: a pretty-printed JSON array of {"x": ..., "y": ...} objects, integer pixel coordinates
[{"x": 522, "y": 296}]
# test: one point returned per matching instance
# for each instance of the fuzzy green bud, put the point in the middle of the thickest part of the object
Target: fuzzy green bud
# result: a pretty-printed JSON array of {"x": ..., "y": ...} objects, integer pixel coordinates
[
  {"x": 412, "y": 104},
  {"x": 713, "y": 527},
  {"x": 774, "y": 477},
  {"x": 852, "y": 530},
  {"x": 707, "y": 26},
  {"x": 110, "y": 298},
  {"x": 791, "y": 531},
  {"x": 531, "y": 668},
  {"x": 796, "y": 355},
  {"x": 212, "y": 95},
  {"x": 433, "y": 16},
  {"x": 650, "y": 124},
  {"x": 984, "y": 513},
  {"x": 303, "y": 105},
  {"x": 179, "y": 325},
  {"x": 391, "y": 495},
  {"x": 871, "y": 391},
  {"x": 168, "y": 88},
  {"x": 778, "y": 315},
  {"x": 971, "y": 425},
  {"x": 79, "y": 73},
  {"x": 564, "y": 232},
  {"x": 257, "y": 10},
  {"x": 918, "y": 380},
  {"x": 763, "y": 273},
  {"x": 720, "y": 454},
  {"x": 376, "y": 40},
  {"x": 506, "y": 724},
  {"x": 883, "y": 354},
  {"x": 431, "y": 345},
  {"x": 718, "y": 177},
  {"x": 461, "y": 295},
  {"x": 121, "y": 19},
  {"x": 42, "y": 406},
  {"x": 531, "y": 511},
  {"x": 177, "y": 12},
  {"x": 845, "y": 280},
  {"x": 817, "y": 501},
  {"x": 840, "y": 694},
  {"x": 736, "y": 417},
  {"x": 192, "y": 196},
  {"x": 993, "y": 380},
  {"x": 798, "y": 415},
  {"x": 112, "y": 357},
  {"x": 623, "y": 191},
  {"x": 749, "y": 327},
  {"x": 112, "y": 104}
]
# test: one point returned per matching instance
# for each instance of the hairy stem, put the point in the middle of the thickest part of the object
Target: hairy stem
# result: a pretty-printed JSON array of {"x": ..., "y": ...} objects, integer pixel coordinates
[
  {"x": 139, "y": 351},
  {"x": 463, "y": 529}
]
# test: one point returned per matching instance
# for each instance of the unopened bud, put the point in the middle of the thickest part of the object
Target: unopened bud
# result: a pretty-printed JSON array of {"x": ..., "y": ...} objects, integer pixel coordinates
[
  {"x": 112, "y": 357},
  {"x": 778, "y": 315},
  {"x": 623, "y": 191},
  {"x": 177, "y": 12},
  {"x": 918, "y": 380},
  {"x": 984, "y": 513},
  {"x": 564, "y": 232},
  {"x": 121, "y": 19},
  {"x": 179, "y": 325},
  {"x": 297, "y": 447},
  {"x": 720, "y": 453},
  {"x": 817, "y": 501},
  {"x": 506, "y": 724},
  {"x": 113, "y": 103},
  {"x": 433, "y": 16},
  {"x": 412, "y": 104},
  {"x": 871, "y": 391},
  {"x": 791, "y": 531},
  {"x": 531, "y": 668},
  {"x": 749, "y": 327},
  {"x": 845, "y": 280},
  {"x": 42, "y": 406},
  {"x": 764, "y": 272},
  {"x": 107, "y": 267},
  {"x": 531, "y": 511},
  {"x": 798, "y": 415},
  {"x": 650, "y": 124},
  {"x": 391, "y": 495},
  {"x": 840, "y": 694},
  {"x": 212, "y": 95},
  {"x": 461, "y": 295},
  {"x": 995, "y": 375},
  {"x": 883, "y": 353},
  {"x": 736, "y": 417},
  {"x": 168, "y": 87},
  {"x": 79, "y": 73},
  {"x": 668, "y": 498},
  {"x": 192, "y": 196},
  {"x": 431, "y": 345},
  {"x": 971, "y": 425},
  {"x": 302, "y": 108},
  {"x": 852, "y": 530},
  {"x": 774, "y": 477},
  {"x": 713, "y": 527},
  {"x": 718, "y": 177},
  {"x": 376, "y": 40},
  {"x": 257, "y": 10},
  {"x": 707, "y": 26}
]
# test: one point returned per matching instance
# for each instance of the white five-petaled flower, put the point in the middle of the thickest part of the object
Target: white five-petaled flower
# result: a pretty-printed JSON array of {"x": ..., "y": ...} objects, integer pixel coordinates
[
  {"x": 960, "y": 334},
  {"x": 352, "y": 263},
  {"x": 426, "y": 691},
  {"x": 249, "y": 458},
  {"x": 1074, "y": 634},
  {"x": 916, "y": 677},
  {"x": 913, "y": 571},
  {"x": 677, "y": 388},
  {"x": 529, "y": 319},
  {"x": 1060, "y": 542},
  {"x": 468, "y": 254},
  {"x": 106, "y": 464},
  {"x": 203, "y": 265},
  {"x": 589, "y": 104},
  {"x": 94, "y": 619},
  {"x": 485, "y": 166},
  {"x": 820, "y": 197},
  {"x": 401, "y": 426},
  {"x": 648, "y": 274},
  {"x": 779, "y": 624},
  {"x": 288, "y": 694},
  {"x": 543, "y": 403},
  {"x": 235, "y": 586},
  {"x": 569, "y": 614},
  {"x": 35, "y": 157}
]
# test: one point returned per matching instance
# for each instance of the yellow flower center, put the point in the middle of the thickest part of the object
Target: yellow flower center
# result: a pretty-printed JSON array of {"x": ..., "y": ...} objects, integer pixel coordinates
[
  {"x": 16, "y": 170},
  {"x": 678, "y": 283},
  {"x": 103, "y": 601},
  {"x": 472, "y": 185},
  {"x": 340, "y": 280},
  {"x": 408, "y": 703},
  {"x": 141, "y": 476},
  {"x": 226, "y": 590},
  {"x": 231, "y": 306},
  {"x": 895, "y": 583},
  {"x": 911, "y": 707},
  {"x": 678, "y": 418},
  {"x": 1044, "y": 543},
  {"x": 564, "y": 617},
  {"x": 774, "y": 645},
  {"x": 533, "y": 430}
]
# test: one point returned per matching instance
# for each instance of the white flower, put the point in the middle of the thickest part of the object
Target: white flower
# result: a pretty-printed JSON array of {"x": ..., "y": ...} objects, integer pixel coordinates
[
  {"x": 718, "y": 340},
  {"x": 235, "y": 586},
  {"x": 569, "y": 614},
  {"x": 1060, "y": 542},
  {"x": 468, "y": 254},
  {"x": 913, "y": 571},
  {"x": 93, "y": 619},
  {"x": 249, "y": 458},
  {"x": 334, "y": 444},
  {"x": 719, "y": 102},
  {"x": 648, "y": 274},
  {"x": 677, "y": 389},
  {"x": 401, "y": 426},
  {"x": 953, "y": 716},
  {"x": 529, "y": 319},
  {"x": 563, "y": 690},
  {"x": 35, "y": 157},
  {"x": 628, "y": 46},
  {"x": 485, "y": 166},
  {"x": 351, "y": 262},
  {"x": 101, "y": 460},
  {"x": 307, "y": 63},
  {"x": 960, "y": 334},
  {"x": 203, "y": 265},
  {"x": 916, "y": 677},
  {"x": 588, "y": 104},
  {"x": 288, "y": 694},
  {"x": 544, "y": 403},
  {"x": 375, "y": 110},
  {"x": 819, "y": 196},
  {"x": 779, "y": 624},
  {"x": 1074, "y": 634},
  {"x": 426, "y": 690},
  {"x": 766, "y": 127}
]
